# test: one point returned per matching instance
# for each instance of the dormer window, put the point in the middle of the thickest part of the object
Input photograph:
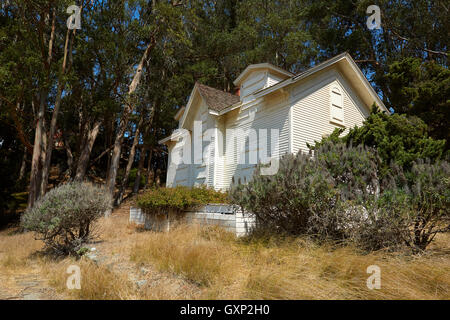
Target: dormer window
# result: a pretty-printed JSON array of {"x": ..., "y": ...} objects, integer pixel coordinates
[
  {"x": 337, "y": 105},
  {"x": 259, "y": 76}
]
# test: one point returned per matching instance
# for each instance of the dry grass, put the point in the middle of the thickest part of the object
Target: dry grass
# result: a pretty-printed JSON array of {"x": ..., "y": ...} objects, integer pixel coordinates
[
  {"x": 195, "y": 258},
  {"x": 209, "y": 263},
  {"x": 98, "y": 282},
  {"x": 293, "y": 269},
  {"x": 16, "y": 251}
]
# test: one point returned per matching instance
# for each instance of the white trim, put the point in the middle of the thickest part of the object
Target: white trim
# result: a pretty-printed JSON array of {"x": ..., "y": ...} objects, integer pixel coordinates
[
  {"x": 260, "y": 66},
  {"x": 291, "y": 130},
  {"x": 344, "y": 56},
  {"x": 179, "y": 113},
  {"x": 188, "y": 106},
  {"x": 173, "y": 137}
]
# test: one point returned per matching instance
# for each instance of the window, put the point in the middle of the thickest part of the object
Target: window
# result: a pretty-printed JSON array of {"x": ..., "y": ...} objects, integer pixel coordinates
[{"x": 337, "y": 108}]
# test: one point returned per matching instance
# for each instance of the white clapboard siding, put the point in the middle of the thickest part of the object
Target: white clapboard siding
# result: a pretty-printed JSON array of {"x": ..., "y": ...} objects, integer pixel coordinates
[
  {"x": 253, "y": 83},
  {"x": 303, "y": 113},
  {"x": 312, "y": 110},
  {"x": 219, "y": 155},
  {"x": 262, "y": 116}
]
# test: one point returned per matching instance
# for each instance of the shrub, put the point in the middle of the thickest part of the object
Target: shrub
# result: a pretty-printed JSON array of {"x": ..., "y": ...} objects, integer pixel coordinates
[
  {"x": 356, "y": 216},
  {"x": 339, "y": 194},
  {"x": 286, "y": 201},
  {"x": 179, "y": 198},
  {"x": 63, "y": 217},
  {"x": 313, "y": 194},
  {"x": 428, "y": 194},
  {"x": 397, "y": 138}
]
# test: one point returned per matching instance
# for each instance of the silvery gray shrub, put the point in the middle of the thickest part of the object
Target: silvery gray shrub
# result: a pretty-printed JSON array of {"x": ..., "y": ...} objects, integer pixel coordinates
[
  {"x": 340, "y": 194},
  {"x": 63, "y": 217}
]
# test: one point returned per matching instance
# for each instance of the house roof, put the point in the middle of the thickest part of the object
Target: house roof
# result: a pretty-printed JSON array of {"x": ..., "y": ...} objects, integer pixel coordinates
[
  {"x": 217, "y": 100},
  {"x": 348, "y": 65},
  {"x": 222, "y": 102},
  {"x": 179, "y": 113}
]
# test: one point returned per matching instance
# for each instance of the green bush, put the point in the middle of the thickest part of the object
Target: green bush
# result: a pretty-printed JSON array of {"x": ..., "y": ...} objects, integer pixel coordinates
[
  {"x": 64, "y": 216},
  {"x": 340, "y": 194},
  {"x": 284, "y": 202},
  {"x": 428, "y": 193},
  {"x": 397, "y": 138},
  {"x": 179, "y": 198},
  {"x": 310, "y": 195}
]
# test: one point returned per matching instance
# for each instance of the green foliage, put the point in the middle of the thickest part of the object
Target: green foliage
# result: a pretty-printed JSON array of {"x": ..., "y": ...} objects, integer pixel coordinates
[
  {"x": 211, "y": 42},
  {"x": 179, "y": 198},
  {"x": 63, "y": 217},
  {"x": 132, "y": 178},
  {"x": 310, "y": 191},
  {"x": 397, "y": 138},
  {"x": 284, "y": 202},
  {"x": 429, "y": 203},
  {"x": 422, "y": 89},
  {"x": 339, "y": 194}
]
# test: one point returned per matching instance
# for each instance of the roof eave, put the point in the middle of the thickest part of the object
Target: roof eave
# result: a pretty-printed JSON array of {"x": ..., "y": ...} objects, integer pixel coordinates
[
  {"x": 260, "y": 66},
  {"x": 188, "y": 105},
  {"x": 263, "y": 92}
]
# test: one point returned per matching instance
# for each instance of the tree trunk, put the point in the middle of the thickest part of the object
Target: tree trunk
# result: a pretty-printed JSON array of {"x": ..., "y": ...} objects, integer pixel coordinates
[
  {"x": 126, "y": 175},
  {"x": 137, "y": 180},
  {"x": 35, "y": 174},
  {"x": 52, "y": 130},
  {"x": 23, "y": 166},
  {"x": 112, "y": 173},
  {"x": 69, "y": 154},
  {"x": 150, "y": 174},
  {"x": 36, "y": 165},
  {"x": 83, "y": 160}
]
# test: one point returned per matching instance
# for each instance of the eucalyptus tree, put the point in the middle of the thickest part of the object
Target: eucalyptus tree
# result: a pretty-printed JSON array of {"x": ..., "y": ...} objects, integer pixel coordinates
[
  {"x": 44, "y": 60},
  {"x": 160, "y": 23}
]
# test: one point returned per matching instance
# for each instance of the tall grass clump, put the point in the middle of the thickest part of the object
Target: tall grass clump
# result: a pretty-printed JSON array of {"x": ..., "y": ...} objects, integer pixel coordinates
[{"x": 185, "y": 252}]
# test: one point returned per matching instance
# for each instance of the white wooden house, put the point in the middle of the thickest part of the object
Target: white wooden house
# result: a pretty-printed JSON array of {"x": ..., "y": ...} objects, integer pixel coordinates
[{"x": 302, "y": 108}]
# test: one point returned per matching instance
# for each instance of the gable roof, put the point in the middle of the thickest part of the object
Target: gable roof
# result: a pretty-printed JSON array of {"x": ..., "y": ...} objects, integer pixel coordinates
[
  {"x": 179, "y": 114},
  {"x": 347, "y": 63},
  {"x": 266, "y": 65},
  {"x": 222, "y": 102},
  {"x": 216, "y": 100}
]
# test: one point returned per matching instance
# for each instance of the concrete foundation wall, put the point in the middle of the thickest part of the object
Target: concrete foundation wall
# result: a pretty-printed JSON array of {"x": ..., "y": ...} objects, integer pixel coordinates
[{"x": 224, "y": 216}]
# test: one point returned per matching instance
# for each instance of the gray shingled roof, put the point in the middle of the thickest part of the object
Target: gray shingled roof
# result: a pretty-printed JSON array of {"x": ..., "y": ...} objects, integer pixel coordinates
[{"x": 217, "y": 100}]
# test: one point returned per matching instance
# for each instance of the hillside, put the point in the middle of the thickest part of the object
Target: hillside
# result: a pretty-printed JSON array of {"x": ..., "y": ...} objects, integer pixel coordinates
[{"x": 194, "y": 263}]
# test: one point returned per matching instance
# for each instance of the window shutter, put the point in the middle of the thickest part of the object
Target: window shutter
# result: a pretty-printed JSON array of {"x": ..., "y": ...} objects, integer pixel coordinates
[{"x": 337, "y": 108}]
